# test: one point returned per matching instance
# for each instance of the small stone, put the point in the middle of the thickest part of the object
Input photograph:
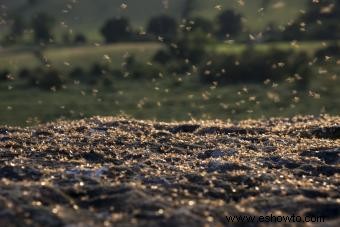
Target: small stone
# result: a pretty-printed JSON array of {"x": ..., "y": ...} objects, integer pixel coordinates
[{"x": 3, "y": 131}]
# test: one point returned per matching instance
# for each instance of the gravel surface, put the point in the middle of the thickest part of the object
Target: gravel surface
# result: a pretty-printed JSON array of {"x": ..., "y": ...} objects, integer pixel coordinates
[{"x": 125, "y": 172}]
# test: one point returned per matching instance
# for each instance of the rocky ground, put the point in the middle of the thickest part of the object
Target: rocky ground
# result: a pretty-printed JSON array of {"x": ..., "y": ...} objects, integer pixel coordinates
[{"x": 124, "y": 172}]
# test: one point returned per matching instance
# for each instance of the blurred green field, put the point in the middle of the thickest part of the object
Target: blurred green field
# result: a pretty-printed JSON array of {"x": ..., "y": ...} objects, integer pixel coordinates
[
  {"x": 65, "y": 58},
  {"x": 166, "y": 100},
  {"x": 84, "y": 56},
  {"x": 162, "y": 99},
  {"x": 309, "y": 47}
]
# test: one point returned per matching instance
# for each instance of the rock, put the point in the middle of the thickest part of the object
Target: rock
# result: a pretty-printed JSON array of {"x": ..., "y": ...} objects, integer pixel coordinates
[
  {"x": 329, "y": 156},
  {"x": 5, "y": 139},
  {"x": 156, "y": 180},
  {"x": 313, "y": 193},
  {"x": 232, "y": 130},
  {"x": 93, "y": 156},
  {"x": 18, "y": 174},
  {"x": 3, "y": 131},
  {"x": 211, "y": 154},
  {"x": 269, "y": 149},
  {"x": 195, "y": 178},
  {"x": 325, "y": 210},
  {"x": 279, "y": 163},
  {"x": 326, "y": 132},
  {"x": 217, "y": 153},
  {"x": 100, "y": 129},
  {"x": 42, "y": 133},
  {"x": 81, "y": 129},
  {"x": 184, "y": 218},
  {"x": 43, "y": 217},
  {"x": 186, "y": 128},
  {"x": 224, "y": 166}
]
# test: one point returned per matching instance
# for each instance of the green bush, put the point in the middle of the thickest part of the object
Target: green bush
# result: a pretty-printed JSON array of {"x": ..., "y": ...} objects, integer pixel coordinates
[
  {"x": 254, "y": 67},
  {"x": 116, "y": 30},
  {"x": 164, "y": 26},
  {"x": 162, "y": 57},
  {"x": 144, "y": 71},
  {"x": 46, "y": 79},
  {"x": 229, "y": 24},
  {"x": 200, "y": 24},
  {"x": 107, "y": 81},
  {"x": 42, "y": 25},
  {"x": 25, "y": 74},
  {"x": 330, "y": 51},
  {"x": 97, "y": 73},
  {"x": 80, "y": 39},
  {"x": 4, "y": 75},
  {"x": 79, "y": 74},
  {"x": 308, "y": 26},
  {"x": 51, "y": 79}
]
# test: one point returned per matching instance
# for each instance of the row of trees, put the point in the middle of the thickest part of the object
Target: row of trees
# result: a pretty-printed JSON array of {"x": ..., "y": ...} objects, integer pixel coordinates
[
  {"x": 98, "y": 75},
  {"x": 42, "y": 26},
  {"x": 166, "y": 27},
  {"x": 251, "y": 66},
  {"x": 320, "y": 22},
  {"x": 120, "y": 29}
]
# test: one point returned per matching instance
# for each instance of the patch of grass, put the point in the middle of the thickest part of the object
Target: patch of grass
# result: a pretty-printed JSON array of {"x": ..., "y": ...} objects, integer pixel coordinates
[
  {"x": 308, "y": 47},
  {"x": 165, "y": 99},
  {"x": 84, "y": 56},
  {"x": 162, "y": 99}
]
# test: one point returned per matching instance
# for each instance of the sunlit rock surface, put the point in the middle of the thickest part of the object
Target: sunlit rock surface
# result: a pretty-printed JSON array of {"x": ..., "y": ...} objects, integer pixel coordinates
[{"x": 124, "y": 172}]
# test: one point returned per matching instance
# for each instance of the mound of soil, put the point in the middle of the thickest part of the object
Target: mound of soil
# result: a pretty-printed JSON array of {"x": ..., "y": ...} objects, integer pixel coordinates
[{"x": 124, "y": 172}]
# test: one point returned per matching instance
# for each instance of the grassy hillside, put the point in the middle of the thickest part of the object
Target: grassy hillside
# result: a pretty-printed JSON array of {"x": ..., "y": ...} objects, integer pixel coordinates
[
  {"x": 88, "y": 15},
  {"x": 163, "y": 99},
  {"x": 156, "y": 99}
]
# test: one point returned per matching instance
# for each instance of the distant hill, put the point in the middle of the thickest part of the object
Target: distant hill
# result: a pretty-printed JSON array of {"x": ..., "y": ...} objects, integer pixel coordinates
[{"x": 88, "y": 15}]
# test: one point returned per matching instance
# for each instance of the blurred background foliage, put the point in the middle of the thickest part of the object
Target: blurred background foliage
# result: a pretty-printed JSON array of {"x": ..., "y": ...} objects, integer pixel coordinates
[{"x": 168, "y": 60}]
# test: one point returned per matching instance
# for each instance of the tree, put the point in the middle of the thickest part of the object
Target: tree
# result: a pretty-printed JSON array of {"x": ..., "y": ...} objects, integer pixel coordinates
[
  {"x": 229, "y": 23},
  {"x": 116, "y": 29},
  {"x": 17, "y": 28},
  {"x": 201, "y": 24},
  {"x": 4, "y": 74},
  {"x": 80, "y": 38},
  {"x": 66, "y": 38},
  {"x": 33, "y": 2},
  {"x": 265, "y": 4},
  {"x": 42, "y": 25},
  {"x": 46, "y": 78},
  {"x": 180, "y": 55},
  {"x": 51, "y": 79},
  {"x": 188, "y": 7},
  {"x": 164, "y": 26},
  {"x": 321, "y": 22},
  {"x": 190, "y": 47},
  {"x": 323, "y": 10}
]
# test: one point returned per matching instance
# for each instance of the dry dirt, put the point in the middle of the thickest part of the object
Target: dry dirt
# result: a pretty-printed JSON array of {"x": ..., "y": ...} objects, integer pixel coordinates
[{"x": 124, "y": 172}]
